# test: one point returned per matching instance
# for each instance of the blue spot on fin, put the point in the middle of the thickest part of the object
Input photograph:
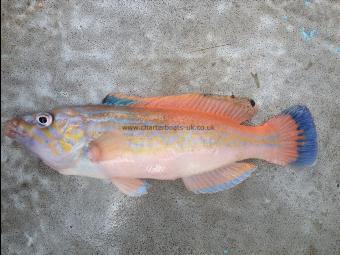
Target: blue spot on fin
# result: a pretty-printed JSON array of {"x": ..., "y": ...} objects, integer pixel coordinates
[
  {"x": 142, "y": 190},
  {"x": 308, "y": 148},
  {"x": 113, "y": 100},
  {"x": 131, "y": 187}
]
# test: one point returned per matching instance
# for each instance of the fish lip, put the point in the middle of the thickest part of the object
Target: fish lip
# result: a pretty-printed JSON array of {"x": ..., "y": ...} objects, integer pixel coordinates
[{"x": 11, "y": 129}]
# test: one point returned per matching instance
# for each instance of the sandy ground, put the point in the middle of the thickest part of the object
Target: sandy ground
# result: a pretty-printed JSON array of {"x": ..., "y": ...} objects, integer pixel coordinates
[{"x": 56, "y": 53}]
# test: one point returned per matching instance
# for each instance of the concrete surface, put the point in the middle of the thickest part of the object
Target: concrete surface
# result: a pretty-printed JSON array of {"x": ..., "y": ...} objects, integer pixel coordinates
[{"x": 57, "y": 53}]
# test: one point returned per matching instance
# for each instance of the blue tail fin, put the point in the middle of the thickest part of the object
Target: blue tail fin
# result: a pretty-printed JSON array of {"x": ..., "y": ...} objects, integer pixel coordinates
[
  {"x": 297, "y": 139},
  {"x": 307, "y": 144}
]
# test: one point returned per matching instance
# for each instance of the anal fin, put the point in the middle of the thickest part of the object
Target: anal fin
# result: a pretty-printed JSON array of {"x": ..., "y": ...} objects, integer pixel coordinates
[
  {"x": 131, "y": 187},
  {"x": 220, "y": 179}
]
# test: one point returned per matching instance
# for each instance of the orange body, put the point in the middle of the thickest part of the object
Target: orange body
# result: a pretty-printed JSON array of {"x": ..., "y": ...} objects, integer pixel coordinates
[{"x": 195, "y": 137}]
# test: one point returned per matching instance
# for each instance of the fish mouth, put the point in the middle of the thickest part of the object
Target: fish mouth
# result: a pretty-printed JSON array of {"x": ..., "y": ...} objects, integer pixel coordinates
[{"x": 12, "y": 129}]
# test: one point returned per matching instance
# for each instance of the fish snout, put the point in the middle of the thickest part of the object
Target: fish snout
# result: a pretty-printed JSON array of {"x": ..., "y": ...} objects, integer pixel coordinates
[{"x": 12, "y": 128}]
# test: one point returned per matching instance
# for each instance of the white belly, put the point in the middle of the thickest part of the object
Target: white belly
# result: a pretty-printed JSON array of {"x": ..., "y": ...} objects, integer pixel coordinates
[{"x": 168, "y": 167}]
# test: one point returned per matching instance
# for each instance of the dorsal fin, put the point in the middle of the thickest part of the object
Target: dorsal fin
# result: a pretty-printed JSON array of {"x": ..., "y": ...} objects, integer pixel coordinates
[
  {"x": 119, "y": 99},
  {"x": 236, "y": 108}
]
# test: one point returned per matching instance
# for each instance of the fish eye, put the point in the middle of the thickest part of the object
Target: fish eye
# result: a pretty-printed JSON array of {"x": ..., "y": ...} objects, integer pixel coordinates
[{"x": 44, "y": 119}]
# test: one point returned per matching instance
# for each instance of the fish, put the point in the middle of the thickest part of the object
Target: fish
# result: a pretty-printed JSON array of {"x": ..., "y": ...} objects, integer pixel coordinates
[{"x": 205, "y": 140}]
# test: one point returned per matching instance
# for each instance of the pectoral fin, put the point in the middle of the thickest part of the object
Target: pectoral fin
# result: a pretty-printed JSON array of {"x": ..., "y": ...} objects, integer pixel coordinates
[
  {"x": 220, "y": 179},
  {"x": 107, "y": 146},
  {"x": 131, "y": 187}
]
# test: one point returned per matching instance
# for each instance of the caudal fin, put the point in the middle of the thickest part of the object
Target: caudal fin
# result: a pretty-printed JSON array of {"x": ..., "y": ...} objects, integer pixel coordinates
[{"x": 297, "y": 137}]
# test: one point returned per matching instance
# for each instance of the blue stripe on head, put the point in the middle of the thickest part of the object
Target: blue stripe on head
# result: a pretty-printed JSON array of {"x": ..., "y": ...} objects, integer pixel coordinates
[
  {"x": 112, "y": 100},
  {"x": 54, "y": 132},
  {"x": 308, "y": 148},
  {"x": 227, "y": 185},
  {"x": 39, "y": 133}
]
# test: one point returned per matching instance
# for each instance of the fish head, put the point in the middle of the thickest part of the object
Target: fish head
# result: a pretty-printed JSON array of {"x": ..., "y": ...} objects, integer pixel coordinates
[{"x": 56, "y": 137}]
